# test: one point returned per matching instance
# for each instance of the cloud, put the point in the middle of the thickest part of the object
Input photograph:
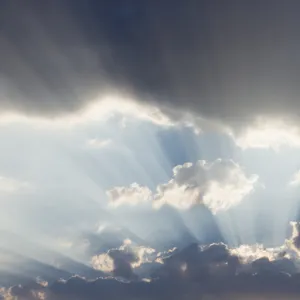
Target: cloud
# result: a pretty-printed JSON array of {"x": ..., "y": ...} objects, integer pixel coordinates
[
  {"x": 103, "y": 262},
  {"x": 211, "y": 271},
  {"x": 266, "y": 133},
  {"x": 249, "y": 287},
  {"x": 250, "y": 253},
  {"x": 132, "y": 195},
  {"x": 295, "y": 239},
  {"x": 101, "y": 109},
  {"x": 128, "y": 256},
  {"x": 216, "y": 63},
  {"x": 34, "y": 291},
  {"x": 218, "y": 185}
]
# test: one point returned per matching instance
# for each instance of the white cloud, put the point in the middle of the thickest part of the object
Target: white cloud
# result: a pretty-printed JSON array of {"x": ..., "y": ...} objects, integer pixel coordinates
[
  {"x": 100, "y": 109},
  {"x": 250, "y": 253},
  {"x": 266, "y": 133},
  {"x": 132, "y": 195},
  {"x": 218, "y": 185},
  {"x": 103, "y": 262}
]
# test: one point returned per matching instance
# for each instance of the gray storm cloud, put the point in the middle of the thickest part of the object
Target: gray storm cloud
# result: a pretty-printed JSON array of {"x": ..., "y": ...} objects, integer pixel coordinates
[{"x": 231, "y": 61}]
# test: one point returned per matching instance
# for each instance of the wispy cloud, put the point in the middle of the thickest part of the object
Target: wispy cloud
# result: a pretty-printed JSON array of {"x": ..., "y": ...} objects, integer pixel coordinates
[{"x": 98, "y": 143}]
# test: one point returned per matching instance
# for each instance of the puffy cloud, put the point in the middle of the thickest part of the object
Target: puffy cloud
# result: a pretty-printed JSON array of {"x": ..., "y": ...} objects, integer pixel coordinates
[
  {"x": 250, "y": 253},
  {"x": 133, "y": 195},
  {"x": 103, "y": 262},
  {"x": 218, "y": 185}
]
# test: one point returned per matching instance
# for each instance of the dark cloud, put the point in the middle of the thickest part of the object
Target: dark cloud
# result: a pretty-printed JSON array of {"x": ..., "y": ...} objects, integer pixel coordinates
[
  {"x": 122, "y": 263},
  {"x": 31, "y": 291},
  {"x": 193, "y": 272},
  {"x": 264, "y": 265},
  {"x": 227, "y": 60}
]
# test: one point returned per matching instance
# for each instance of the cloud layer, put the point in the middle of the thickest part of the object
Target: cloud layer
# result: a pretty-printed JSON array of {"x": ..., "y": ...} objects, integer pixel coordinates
[
  {"x": 212, "y": 271},
  {"x": 209, "y": 57}
]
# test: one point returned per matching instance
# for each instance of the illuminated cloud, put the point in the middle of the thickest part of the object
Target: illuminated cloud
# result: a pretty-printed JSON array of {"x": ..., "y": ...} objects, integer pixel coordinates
[
  {"x": 250, "y": 253},
  {"x": 268, "y": 134},
  {"x": 294, "y": 241},
  {"x": 105, "y": 262},
  {"x": 218, "y": 185},
  {"x": 99, "y": 110},
  {"x": 132, "y": 195}
]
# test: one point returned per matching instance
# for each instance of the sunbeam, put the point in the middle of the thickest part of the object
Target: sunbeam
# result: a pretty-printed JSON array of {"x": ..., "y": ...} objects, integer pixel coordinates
[{"x": 149, "y": 150}]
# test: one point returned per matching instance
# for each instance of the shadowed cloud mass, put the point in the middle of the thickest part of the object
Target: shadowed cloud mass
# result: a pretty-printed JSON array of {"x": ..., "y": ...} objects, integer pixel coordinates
[
  {"x": 230, "y": 62},
  {"x": 210, "y": 272}
]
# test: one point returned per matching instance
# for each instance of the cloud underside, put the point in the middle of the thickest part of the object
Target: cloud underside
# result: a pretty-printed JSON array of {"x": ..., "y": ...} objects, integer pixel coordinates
[
  {"x": 212, "y": 272},
  {"x": 206, "y": 58},
  {"x": 218, "y": 185},
  {"x": 74, "y": 289},
  {"x": 138, "y": 272}
]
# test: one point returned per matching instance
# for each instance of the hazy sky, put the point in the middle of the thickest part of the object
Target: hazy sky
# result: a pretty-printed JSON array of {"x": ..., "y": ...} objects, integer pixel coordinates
[{"x": 152, "y": 142}]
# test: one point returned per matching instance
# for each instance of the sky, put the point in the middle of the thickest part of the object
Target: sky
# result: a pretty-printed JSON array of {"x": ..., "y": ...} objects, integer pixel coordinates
[{"x": 149, "y": 149}]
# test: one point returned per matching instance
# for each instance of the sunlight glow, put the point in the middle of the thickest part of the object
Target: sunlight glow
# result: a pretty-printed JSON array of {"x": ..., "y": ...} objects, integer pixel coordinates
[
  {"x": 268, "y": 134},
  {"x": 101, "y": 109}
]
